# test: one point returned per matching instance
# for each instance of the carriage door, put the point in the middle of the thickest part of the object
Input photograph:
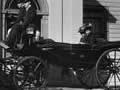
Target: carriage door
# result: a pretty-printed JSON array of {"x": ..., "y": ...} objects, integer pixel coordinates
[{"x": 10, "y": 14}]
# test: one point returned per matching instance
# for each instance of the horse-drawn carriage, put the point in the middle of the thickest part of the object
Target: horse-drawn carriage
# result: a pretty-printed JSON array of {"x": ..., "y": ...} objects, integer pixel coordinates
[{"x": 95, "y": 65}]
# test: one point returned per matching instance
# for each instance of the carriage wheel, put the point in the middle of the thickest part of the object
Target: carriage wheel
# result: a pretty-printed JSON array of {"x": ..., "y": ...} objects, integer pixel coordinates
[
  {"x": 108, "y": 68},
  {"x": 9, "y": 65},
  {"x": 87, "y": 77},
  {"x": 30, "y": 72}
]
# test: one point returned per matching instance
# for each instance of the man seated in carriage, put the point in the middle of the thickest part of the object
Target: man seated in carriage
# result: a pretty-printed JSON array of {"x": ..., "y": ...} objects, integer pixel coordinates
[{"x": 29, "y": 37}]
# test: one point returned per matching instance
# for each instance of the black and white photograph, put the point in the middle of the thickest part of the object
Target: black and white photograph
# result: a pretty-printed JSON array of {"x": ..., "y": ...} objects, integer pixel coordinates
[{"x": 59, "y": 44}]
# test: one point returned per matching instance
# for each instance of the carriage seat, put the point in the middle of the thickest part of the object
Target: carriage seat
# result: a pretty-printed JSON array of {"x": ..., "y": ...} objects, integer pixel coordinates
[
  {"x": 49, "y": 43},
  {"x": 66, "y": 46}
]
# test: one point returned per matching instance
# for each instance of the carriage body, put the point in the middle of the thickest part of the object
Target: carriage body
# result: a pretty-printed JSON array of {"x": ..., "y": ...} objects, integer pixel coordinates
[
  {"x": 93, "y": 64},
  {"x": 87, "y": 60},
  {"x": 71, "y": 55}
]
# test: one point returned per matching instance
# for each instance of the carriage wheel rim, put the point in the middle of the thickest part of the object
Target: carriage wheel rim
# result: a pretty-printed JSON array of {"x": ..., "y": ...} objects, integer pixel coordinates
[
  {"x": 15, "y": 71},
  {"x": 114, "y": 69}
]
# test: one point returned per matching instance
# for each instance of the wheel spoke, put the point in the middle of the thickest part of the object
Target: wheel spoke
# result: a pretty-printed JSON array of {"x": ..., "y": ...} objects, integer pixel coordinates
[
  {"x": 108, "y": 56},
  {"x": 115, "y": 55},
  {"x": 6, "y": 68},
  {"x": 118, "y": 73},
  {"x": 118, "y": 63},
  {"x": 37, "y": 67},
  {"x": 118, "y": 77},
  {"x": 115, "y": 81},
  {"x": 109, "y": 80},
  {"x": 20, "y": 74},
  {"x": 23, "y": 83},
  {"x": 113, "y": 63}
]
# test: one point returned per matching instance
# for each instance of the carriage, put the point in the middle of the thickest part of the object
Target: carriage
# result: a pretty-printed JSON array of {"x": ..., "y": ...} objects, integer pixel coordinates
[{"x": 94, "y": 65}]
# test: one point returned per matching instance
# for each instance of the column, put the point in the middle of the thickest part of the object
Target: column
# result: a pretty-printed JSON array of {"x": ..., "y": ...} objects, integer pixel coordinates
[
  {"x": 0, "y": 26},
  {"x": 55, "y": 20},
  {"x": 44, "y": 26},
  {"x": 67, "y": 21},
  {"x": 77, "y": 19},
  {"x": 3, "y": 25},
  {"x": 72, "y": 20}
]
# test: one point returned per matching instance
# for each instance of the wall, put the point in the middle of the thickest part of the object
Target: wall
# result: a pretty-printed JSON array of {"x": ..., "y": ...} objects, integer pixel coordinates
[
  {"x": 65, "y": 17},
  {"x": 55, "y": 20},
  {"x": 67, "y": 20},
  {"x": 113, "y": 27},
  {"x": 77, "y": 16},
  {"x": 72, "y": 20},
  {"x": 113, "y": 20}
]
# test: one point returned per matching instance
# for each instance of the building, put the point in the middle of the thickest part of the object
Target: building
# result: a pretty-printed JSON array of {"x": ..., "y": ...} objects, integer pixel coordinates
[
  {"x": 61, "y": 19},
  {"x": 105, "y": 16}
]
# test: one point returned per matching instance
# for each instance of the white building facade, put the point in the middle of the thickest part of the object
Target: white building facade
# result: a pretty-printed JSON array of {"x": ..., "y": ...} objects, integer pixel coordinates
[{"x": 64, "y": 20}]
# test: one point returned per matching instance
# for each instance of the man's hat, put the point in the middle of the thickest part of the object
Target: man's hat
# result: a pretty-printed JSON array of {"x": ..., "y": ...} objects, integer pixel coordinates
[{"x": 22, "y": 1}]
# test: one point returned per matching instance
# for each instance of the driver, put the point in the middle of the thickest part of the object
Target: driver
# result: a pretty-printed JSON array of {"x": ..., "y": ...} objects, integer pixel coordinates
[
  {"x": 27, "y": 13},
  {"x": 29, "y": 37},
  {"x": 31, "y": 32}
]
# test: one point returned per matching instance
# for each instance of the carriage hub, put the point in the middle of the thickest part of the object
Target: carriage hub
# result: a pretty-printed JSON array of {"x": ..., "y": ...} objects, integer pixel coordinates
[{"x": 115, "y": 69}]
